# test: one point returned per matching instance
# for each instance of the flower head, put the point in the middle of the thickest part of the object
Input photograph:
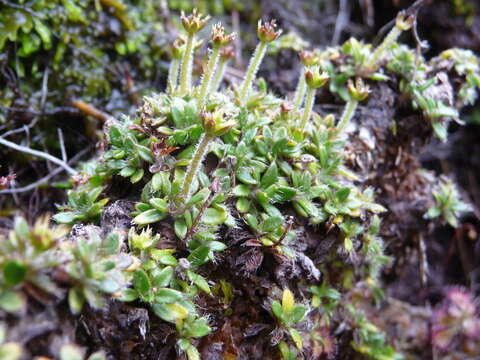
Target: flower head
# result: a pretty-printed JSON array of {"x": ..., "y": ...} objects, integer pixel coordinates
[
  {"x": 219, "y": 37},
  {"x": 454, "y": 318},
  {"x": 266, "y": 32},
  {"x": 308, "y": 58},
  {"x": 216, "y": 123},
  {"x": 315, "y": 79},
  {"x": 177, "y": 49},
  {"x": 5, "y": 181},
  {"x": 358, "y": 91},
  {"x": 404, "y": 23},
  {"x": 194, "y": 22},
  {"x": 227, "y": 53}
]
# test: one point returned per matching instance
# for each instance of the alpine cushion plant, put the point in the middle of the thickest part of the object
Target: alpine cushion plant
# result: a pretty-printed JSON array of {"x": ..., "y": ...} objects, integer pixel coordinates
[
  {"x": 288, "y": 313},
  {"x": 448, "y": 203},
  {"x": 216, "y": 169}
]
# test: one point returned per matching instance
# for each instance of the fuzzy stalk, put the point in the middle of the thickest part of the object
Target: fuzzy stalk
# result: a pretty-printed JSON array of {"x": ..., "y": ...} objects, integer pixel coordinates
[
  {"x": 252, "y": 70},
  {"x": 186, "y": 70},
  {"x": 215, "y": 83},
  {"x": 347, "y": 115},
  {"x": 200, "y": 152},
  {"x": 300, "y": 91},
  {"x": 173, "y": 74},
  {"x": 207, "y": 77},
  {"x": 307, "y": 110},
  {"x": 373, "y": 60}
]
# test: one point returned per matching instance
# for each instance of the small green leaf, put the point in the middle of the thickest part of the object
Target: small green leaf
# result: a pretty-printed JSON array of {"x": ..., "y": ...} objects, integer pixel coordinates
[
  {"x": 167, "y": 296},
  {"x": 213, "y": 216},
  {"x": 251, "y": 221},
  {"x": 270, "y": 177},
  {"x": 192, "y": 353},
  {"x": 297, "y": 338},
  {"x": 11, "y": 302},
  {"x": 217, "y": 246},
  {"x": 162, "y": 277},
  {"x": 433, "y": 212},
  {"x": 283, "y": 194},
  {"x": 243, "y": 205},
  {"x": 116, "y": 138},
  {"x": 298, "y": 313},
  {"x": 137, "y": 176},
  {"x": 164, "y": 257},
  {"x": 180, "y": 227},
  {"x": 14, "y": 272},
  {"x": 199, "y": 197},
  {"x": 199, "y": 281},
  {"x": 288, "y": 301},
  {"x": 241, "y": 190},
  {"x": 111, "y": 244},
  {"x": 244, "y": 175},
  {"x": 127, "y": 171},
  {"x": 277, "y": 310},
  {"x": 157, "y": 181},
  {"x": 75, "y": 300},
  {"x": 159, "y": 204},
  {"x": 149, "y": 217},
  {"x": 199, "y": 328},
  {"x": 128, "y": 295},
  {"x": 67, "y": 217},
  {"x": 109, "y": 286},
  {"x": 170, "y": 312},
  {"x": 145, "y": 153},
  {"x": 44, "y": 33},
  {"x": 199, "y": 256},
  {"x": 141, "y": 207},
  {"x": 271, "y": 224},
  {"x": 342, "y": 194},
  {"x": 440, "y": 130},
  {"x": 141, "y": 282}
]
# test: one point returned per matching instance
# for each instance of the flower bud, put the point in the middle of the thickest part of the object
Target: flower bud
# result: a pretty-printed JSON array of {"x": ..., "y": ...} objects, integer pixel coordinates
[
  {"x": 308, "y": 58},
  {"x": 227, "y": 53},
  {"x": 177, "y": 49},
  {"x": 215, "y": 124},
  {"x": 359, "y": 91},
  {"x": 285, "y": 108},
  {"x": 329, "y": 120},
  {"x": 194, "y": 22},
  {"x": 219, "y": 37},
  {"x": 403, "y": 23},
  {"x": 314, "y": 79},
  {"x": 266, "y": 32}
]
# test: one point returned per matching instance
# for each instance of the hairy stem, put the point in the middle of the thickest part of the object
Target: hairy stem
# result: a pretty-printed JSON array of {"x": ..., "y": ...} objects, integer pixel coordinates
[
  {"x": 215, "y": 83},
  {"x": 347, "y": 115},
  {"x": 307, "y": 110},
  {"x": 186, "y": 71},
  {"x": 192, "y": 170},
  {"x": 373, "y": 60},
  {"x": 207, "y": 77},
  {"x": 300, "y": 91},
  {"x": 173, "y": 75},
  {"x": 252, "y": 70}
]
